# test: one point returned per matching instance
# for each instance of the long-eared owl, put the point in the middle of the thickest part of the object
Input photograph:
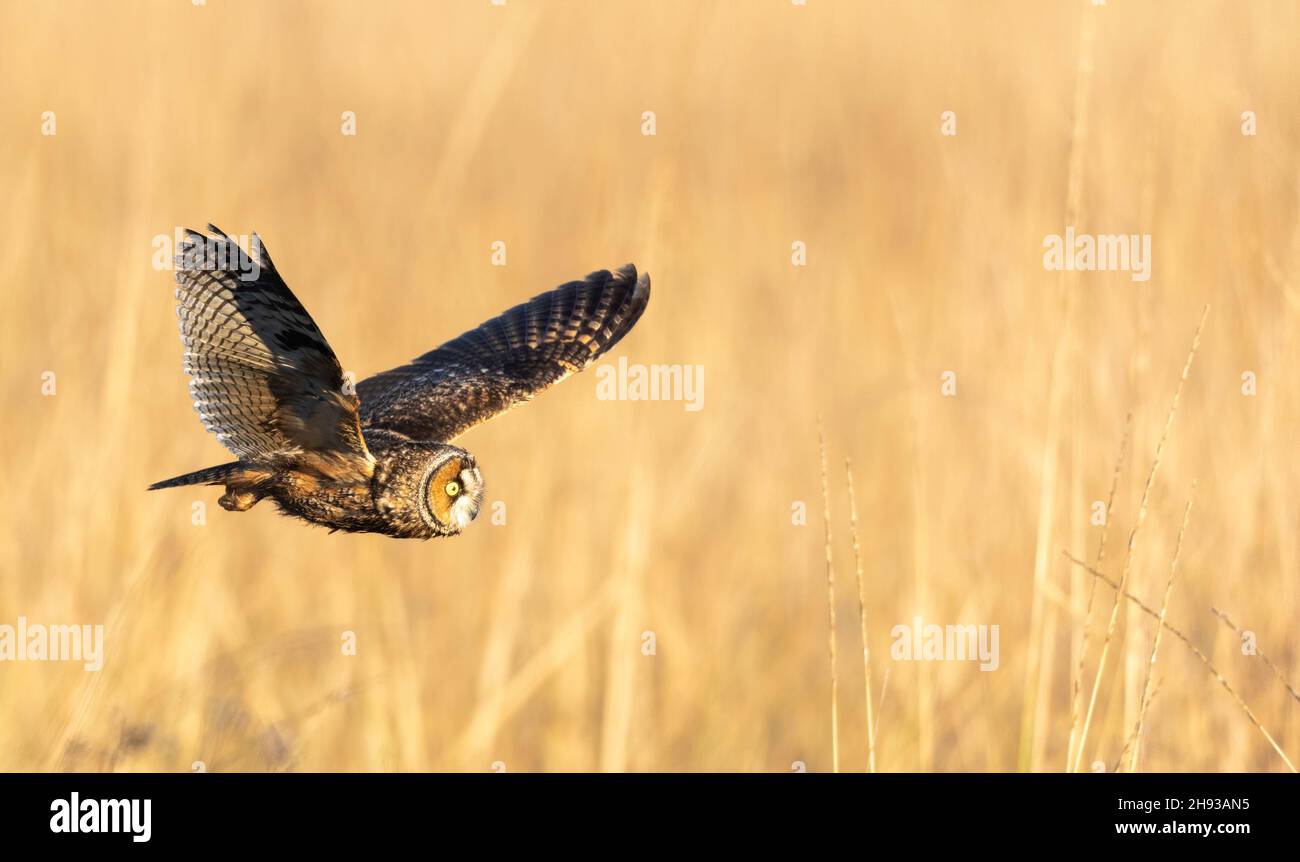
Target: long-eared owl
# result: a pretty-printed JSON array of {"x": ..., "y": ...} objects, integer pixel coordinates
[{"x": 378, "y": 457}]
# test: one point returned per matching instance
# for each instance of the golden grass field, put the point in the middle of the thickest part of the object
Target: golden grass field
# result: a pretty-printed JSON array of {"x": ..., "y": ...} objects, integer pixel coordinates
[{"x": 519, "y": 646}]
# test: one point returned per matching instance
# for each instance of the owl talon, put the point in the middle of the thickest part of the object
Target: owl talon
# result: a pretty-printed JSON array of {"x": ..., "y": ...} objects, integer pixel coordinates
[{"x": 239, "y": 501}]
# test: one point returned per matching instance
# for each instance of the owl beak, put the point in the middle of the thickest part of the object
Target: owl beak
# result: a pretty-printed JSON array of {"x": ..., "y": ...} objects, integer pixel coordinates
[{"x": 472, "y": 481}]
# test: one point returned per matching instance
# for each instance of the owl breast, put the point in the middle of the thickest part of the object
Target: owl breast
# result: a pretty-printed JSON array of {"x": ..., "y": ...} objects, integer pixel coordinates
[{"x": 347, "y": 506}]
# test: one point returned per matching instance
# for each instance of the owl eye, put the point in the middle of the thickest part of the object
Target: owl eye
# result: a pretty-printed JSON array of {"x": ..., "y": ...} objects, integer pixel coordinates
[{"x": 452, "y": 488}]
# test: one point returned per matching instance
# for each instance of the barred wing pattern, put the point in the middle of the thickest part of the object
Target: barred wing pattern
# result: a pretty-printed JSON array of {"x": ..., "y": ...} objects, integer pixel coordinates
[
  {"x": 263, "y": 378},
  {"x": 507, "y": 360}
]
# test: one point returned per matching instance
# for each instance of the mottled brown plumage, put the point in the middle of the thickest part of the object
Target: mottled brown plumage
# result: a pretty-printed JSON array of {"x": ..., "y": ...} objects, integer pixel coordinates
[{"x": 267, "y": 384}]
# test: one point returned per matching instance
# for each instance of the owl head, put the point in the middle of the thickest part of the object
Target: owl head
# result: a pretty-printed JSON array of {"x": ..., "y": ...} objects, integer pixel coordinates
[
  {"x": 450, "y": 491},
  {"x": 430, "y": 489}
]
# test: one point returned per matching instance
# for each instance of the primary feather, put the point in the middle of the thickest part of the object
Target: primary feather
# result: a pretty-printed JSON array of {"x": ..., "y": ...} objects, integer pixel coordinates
[{"x": 506, "y": 360}]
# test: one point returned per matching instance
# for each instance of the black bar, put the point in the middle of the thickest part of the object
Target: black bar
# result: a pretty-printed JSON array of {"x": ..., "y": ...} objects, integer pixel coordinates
[{"x": 328, "y": 811}]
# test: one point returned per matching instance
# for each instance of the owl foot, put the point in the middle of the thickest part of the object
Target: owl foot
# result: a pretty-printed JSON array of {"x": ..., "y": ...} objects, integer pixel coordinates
[{"x": 239, "y": 501}]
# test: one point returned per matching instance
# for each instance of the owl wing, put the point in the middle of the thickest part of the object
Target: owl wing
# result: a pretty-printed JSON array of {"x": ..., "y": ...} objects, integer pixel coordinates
[
  {"x": 263, "y": 378},
  {"x": 508, "y": 359}
]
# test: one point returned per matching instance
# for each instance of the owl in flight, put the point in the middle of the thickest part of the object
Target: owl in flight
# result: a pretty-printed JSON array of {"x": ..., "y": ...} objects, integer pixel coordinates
[{"x": 265, "y": 381}]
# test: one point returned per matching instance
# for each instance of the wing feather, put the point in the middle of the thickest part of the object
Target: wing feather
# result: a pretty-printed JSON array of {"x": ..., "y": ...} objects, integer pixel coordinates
[
  {"x": 263, "y": 378},
  {"x": 508, "y": 359}
]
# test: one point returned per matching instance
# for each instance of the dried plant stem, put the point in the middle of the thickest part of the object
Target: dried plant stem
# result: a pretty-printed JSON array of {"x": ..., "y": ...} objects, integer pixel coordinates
[
  {"x": 1033, "y": 727},
  {"x": 1268, "y": 664},
  {"x": 884, "y": 690},
  {"x": 1077, "y": 686},
  {"x": 1196, "y": 651},
  {"x": 1132, "y": 541},
  {"x": 1128, "y": 744},
  {"x": 862, "y": 617},
  {"x": 1155, "y": 644},
  {"x": 830, "y": 605},
  {"x": 1042, "y": 618}
]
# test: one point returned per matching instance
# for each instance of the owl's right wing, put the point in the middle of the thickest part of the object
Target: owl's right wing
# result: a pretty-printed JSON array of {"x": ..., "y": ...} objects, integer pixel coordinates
[
  {"x": 263, "y": 378},
  {"x": 508, "y": 359}
]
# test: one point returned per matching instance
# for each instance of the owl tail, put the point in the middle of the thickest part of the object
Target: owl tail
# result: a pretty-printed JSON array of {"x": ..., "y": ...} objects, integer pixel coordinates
[{"x": 210, "y": 476}]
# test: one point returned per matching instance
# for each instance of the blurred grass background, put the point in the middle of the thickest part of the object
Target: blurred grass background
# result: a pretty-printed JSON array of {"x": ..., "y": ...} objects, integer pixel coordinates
[{"x": 521, "y": 644}]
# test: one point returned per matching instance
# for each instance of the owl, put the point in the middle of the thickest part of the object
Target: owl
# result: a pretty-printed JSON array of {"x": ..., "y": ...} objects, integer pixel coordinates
[{"x": 377, "y": 458}]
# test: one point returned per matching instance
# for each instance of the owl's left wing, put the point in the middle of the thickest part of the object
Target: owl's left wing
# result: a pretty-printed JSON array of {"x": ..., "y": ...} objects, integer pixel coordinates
[
  {"x": 508, "y": 359},
  {"x": 262, "y": 376}
]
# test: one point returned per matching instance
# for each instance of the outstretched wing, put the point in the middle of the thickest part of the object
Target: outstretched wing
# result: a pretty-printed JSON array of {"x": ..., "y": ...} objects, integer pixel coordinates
[
  {"x": 507, "y": 360},
  {"x": 262, "y": 376}
]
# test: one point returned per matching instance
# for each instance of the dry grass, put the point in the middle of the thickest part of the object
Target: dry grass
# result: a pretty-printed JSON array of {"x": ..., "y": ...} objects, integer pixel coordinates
[
  {"x": 524, "y": 645},
  {"x": 1148, "y": 689},
  {"x": 830, "y": 605},
  {"x": 1085, "y": 628},
  {"x": 1132, "y": 542},
  {"x": 862, "y": 617},
  {"x": 1263, "y": 657},
  {"x": 1198, "y": 653}
]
